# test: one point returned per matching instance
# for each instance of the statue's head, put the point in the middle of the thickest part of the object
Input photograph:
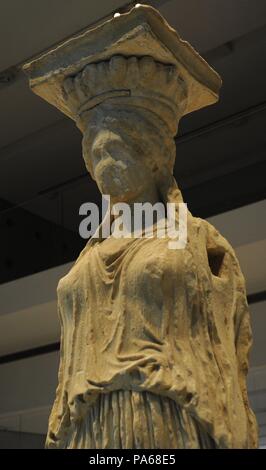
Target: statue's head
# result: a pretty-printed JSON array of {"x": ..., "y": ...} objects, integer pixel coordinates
[
  {"x": 128, "y": 114},
  {"x": 125, "y": 148}
]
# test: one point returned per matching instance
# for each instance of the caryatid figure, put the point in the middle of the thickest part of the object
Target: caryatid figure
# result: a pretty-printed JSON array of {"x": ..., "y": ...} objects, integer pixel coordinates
[{"x": 155, "y": 341}]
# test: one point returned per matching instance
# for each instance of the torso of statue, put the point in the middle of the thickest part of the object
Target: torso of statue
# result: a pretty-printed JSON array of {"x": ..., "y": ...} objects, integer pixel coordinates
[
  {"x": 120, "y": 305},
  {"x": 119, "y": 300},
  {"x": 147, "y": 338}
]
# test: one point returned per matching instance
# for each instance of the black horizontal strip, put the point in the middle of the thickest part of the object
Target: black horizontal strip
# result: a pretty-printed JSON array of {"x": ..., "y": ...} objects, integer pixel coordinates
[
  {"x": 48, "y": 348},
  {"x": 252, "y": 299},
  {"x": 257, "y": 297}
]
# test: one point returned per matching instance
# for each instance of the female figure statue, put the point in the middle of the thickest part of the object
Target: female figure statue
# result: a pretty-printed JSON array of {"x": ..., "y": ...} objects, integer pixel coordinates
[{"x": 154, "y": 350}]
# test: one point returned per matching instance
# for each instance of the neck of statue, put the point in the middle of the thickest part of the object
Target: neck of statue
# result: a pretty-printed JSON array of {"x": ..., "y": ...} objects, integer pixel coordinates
[{"x": 131, "y": 214}]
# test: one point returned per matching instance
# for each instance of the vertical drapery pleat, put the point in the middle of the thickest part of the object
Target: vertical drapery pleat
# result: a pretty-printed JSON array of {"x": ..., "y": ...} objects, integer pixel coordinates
[{"x": 137, "y": 420}]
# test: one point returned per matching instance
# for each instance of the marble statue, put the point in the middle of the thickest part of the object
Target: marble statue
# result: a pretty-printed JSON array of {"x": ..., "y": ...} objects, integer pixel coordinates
[{"x": 155, "y": 342}]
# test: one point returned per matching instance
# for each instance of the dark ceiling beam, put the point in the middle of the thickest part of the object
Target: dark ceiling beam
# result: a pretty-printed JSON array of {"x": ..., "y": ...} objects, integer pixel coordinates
[
  {"x": 257, "y": 297},
  {"x": 26, "y": 354}
]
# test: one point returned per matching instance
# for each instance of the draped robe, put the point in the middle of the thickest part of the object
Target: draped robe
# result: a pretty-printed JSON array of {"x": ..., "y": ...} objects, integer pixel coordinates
[{"x": 136, "y": 315}]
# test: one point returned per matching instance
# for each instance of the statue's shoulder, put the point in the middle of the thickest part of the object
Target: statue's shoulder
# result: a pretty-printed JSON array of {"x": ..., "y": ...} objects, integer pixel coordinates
[
  {"x": 219, "y": 251},
  {"x": 212, "y": 236},
  {"x": 86, "y": 250}
]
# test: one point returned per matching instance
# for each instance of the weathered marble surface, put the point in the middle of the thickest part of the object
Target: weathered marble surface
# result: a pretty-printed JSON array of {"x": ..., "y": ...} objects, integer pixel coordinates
[{"x": 155, "y": 342}]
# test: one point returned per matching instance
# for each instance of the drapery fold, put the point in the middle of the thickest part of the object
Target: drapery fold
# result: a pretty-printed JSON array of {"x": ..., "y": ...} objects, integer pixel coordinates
[{"x": 139, "y": 317}]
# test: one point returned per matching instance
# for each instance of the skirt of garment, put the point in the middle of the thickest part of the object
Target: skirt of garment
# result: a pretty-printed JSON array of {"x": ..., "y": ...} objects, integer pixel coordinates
[{"x": 137, "y": 420}]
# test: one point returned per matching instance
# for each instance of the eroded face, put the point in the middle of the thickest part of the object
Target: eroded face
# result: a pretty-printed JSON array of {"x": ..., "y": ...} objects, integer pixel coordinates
[
  {"x": 119, "y": 152},
  {"x": 117, "y": 158},
  {"x": 117, "y": 168}
]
